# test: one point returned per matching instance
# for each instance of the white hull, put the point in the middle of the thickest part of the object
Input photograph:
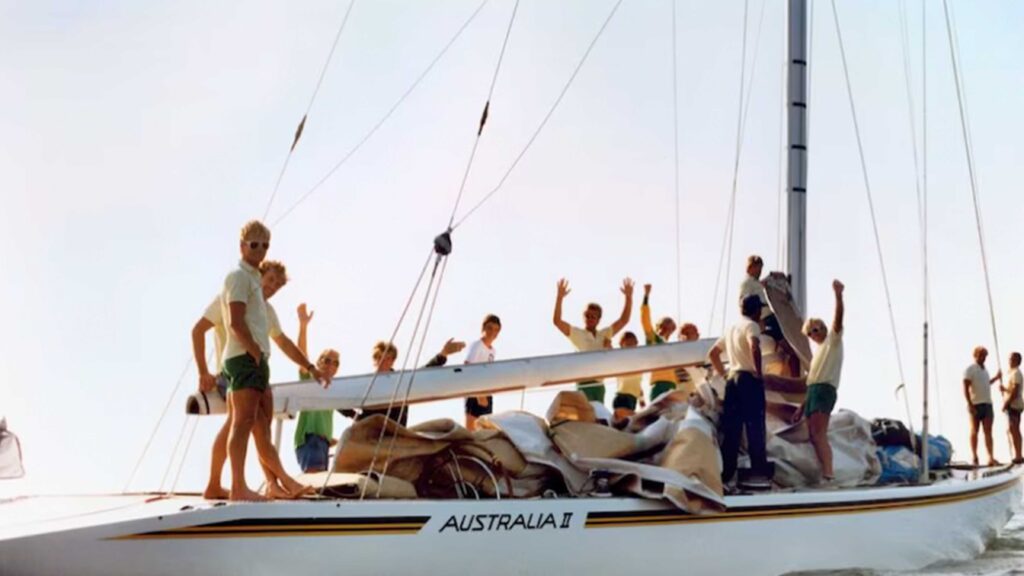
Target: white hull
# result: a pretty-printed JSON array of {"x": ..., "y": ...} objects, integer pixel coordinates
[{"x": 879, "y": 528}]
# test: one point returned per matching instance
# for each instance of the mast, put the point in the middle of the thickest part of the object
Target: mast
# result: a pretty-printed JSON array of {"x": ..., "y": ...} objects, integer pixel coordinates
[{"x": 796, "y": 140}]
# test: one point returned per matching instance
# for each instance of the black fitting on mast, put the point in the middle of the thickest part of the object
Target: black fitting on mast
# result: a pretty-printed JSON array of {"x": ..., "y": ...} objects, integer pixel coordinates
[{"x": 443, "y": 243}]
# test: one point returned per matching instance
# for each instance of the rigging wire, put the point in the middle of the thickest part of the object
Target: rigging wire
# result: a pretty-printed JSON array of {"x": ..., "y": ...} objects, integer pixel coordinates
[
  {"x": 443, "y": 260},
  {"x": 543, "y": 122},
  {"x": 184, "y": 455},
  {"x": 401, "y": 374},
  {"x": 483, "y": 116},
  {"x": 174, "y": 452},
  {"x": 305, "y": 115},
  {"x": 961, "y": 103},
  {"x": 373, "y": 130},
  {"x": 159, "y": 421},
  {"x": 782, "y": 148},
  {"x": 871, "y": 207},
  {"x": 675, "y": 162}
]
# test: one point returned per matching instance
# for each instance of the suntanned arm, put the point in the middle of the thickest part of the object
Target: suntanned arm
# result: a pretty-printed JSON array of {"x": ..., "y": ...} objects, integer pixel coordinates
[
  {"x": 563, "y": 290},
  {"x": 998, "y": 376},
  {"x": 627, "y": 308},
  {"x": 295, "y": 355},
  {"x": 837, "y": 322},
  {"x": 715, "y": 356},
  {"x": 303, "y": 326},
  {"x": 645, "y": 315},
  {"x": 241, "y": 330},
  {"x": 967, "y": 391},
  {"x": 207, "y": 381},
  {"x": 1011, "y": 394}
]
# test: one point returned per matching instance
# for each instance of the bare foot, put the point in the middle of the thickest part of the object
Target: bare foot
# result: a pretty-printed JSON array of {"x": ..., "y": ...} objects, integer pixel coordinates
[
  {"x": 216, "y": 493},
  {"x": 275, "y": 492},
  {"x": 296, "y": 489},
  {"x": 994, "y": 462},
  {"x": 245, "y": 495}
]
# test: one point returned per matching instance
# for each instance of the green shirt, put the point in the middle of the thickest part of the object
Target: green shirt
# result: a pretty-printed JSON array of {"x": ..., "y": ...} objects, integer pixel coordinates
[{"x": 318, "y": 422}]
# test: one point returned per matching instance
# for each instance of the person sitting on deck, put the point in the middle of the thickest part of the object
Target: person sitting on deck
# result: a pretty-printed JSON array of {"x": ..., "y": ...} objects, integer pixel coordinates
[
  {"x": 590, "y": 338},
  {"x": 630, "y": 386},
  {"x": 479, "y": 352},
  {"x": 664, "y": 380},
  {"x": 273, "y": 277},
  {"x": 314, "y": 430},
  {"x": 251, "y": 325},
  {"x": 823, "y": 381},
  {"x": 979, "y": 401},
  {"x": 384, "y": 356},
  {"x": 744, "y": 404},
  {"x": 1013, "y": 404}
]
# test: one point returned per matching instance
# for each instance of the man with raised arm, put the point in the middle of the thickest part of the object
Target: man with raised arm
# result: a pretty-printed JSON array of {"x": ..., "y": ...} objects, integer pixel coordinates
[
  {"x": 246, "y": 353},
  {"x": 978, "y": 394},
  {"x": 590, "y": 337},
  {"x": 744, "y": 404},
  {"x": 314, "y": 430},
  {"x": 823, "y": 380},
  {"x": 664, "y": 380}
]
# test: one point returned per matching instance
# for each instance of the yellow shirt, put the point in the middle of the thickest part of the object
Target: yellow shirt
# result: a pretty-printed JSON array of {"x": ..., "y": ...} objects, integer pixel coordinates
[
  {"x": 666, "y": 374},
  {"x": 631, "y": 385}
]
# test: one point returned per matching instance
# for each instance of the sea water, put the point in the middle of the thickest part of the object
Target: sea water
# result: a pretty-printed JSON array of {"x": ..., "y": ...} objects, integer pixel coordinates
[{"x": 1003, "y": 557}]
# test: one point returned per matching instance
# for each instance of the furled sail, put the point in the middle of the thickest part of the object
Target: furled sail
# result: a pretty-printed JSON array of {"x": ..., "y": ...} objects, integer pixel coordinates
[{"x": 458, "y": 381}]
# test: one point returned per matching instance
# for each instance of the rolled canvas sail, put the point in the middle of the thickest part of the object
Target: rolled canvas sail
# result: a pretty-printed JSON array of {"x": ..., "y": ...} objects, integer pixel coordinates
[{"x": 457, "y": 381}]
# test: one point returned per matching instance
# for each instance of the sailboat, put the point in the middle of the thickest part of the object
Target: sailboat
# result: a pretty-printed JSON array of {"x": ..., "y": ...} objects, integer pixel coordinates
[{"x": 892, "y": 527}]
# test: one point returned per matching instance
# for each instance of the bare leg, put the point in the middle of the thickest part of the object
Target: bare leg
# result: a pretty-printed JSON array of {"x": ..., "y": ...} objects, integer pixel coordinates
[
  {"x": 214, "y": 489},
  {"x": 987, "y": 427},
  {"x": 268, "y": 454},
  {"x": 817, "y": 424},
  {"x": 245, "y": 403},
  {"x": 974, "y": 437},
  {"x": 1015, "y": 435}
]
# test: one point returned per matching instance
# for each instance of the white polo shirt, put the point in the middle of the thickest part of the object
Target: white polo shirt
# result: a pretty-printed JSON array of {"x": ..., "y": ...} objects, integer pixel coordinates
[
  {"x": 736, "y": 344},
  {"x": 1015, "y": 377},
  {"x": 215, "y": 316},
  {"x": 584, "y": 341},
  {"x": 243, "y": 285},
  {"x": 980, "y": 392},
  {"x": 752, "y": 287},
  {"x": 479, "y": 353},
  {"x": 827, "y": 363}
]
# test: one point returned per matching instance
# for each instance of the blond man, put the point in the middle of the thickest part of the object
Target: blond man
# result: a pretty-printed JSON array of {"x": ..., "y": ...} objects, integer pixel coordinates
[
  {"x": 978, "y": 393},
  {"x": 246, "y": 352}
]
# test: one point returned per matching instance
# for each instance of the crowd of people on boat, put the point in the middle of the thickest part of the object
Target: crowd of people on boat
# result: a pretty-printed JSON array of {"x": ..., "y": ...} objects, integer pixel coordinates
[{"x": 752, "y": 352}]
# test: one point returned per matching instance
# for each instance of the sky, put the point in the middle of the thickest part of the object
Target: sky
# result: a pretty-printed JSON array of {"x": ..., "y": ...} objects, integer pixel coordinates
[{"x": 135, "y": 139}]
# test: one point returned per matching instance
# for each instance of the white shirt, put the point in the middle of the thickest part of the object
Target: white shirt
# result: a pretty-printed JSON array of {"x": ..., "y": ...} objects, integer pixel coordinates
[
  {"x": 980, "y": 384},
  {"x": 827, "y": 363},
  {"x": 215, "y": 316},
  {"x": 584, "y": 341},
  {"x": 479, "y": 353},
  {"x": 243, "y": 285},
  {"x": 736, "y": 344},
  {"x": 1017, "y": 402},
  {"x": 752, "y": 287}
]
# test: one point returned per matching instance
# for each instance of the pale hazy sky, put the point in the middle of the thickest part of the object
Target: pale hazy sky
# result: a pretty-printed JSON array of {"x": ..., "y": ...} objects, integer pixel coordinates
[{"x": 137, "y": 138}]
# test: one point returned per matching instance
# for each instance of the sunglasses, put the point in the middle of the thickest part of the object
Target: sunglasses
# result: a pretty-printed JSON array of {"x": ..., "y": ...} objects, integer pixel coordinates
[{"x": 255, "y": 245}]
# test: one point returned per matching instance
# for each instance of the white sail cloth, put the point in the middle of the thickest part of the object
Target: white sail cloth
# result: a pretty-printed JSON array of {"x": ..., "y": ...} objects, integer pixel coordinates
[
  {"x": 10, "y": 454},
  {"x": 853, "y": 453}
]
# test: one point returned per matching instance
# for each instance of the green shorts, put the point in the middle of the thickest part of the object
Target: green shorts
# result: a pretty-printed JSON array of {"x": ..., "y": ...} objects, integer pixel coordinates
[
  {"x": 821, "y": 397},
  {"x": 593, "y": 390},
  {"x": 243, "y": 372},
  {"x": 627, "y": 401},
  {"x": 660, "y": 387}
]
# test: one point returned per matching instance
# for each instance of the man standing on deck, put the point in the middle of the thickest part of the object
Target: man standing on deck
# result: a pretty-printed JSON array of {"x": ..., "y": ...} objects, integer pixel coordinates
[
  {"x": 977, "y": 391},
  {"x": 589, "y": 337},
  {"x": 744, "y": 404},
  {"x": 246, "y": 353},
  {"x": 752, "y": 286}
]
